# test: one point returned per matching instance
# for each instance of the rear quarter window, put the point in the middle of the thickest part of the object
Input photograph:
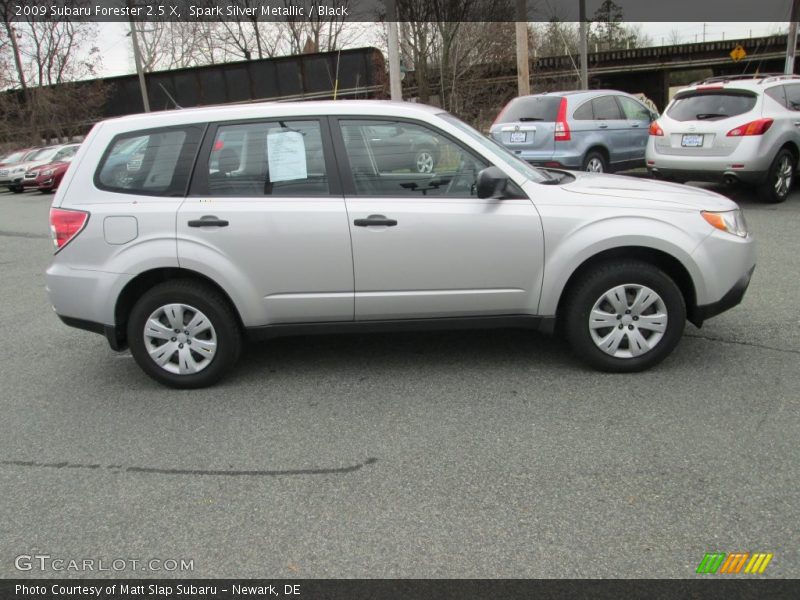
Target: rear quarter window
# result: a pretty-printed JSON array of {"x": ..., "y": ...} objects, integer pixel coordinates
[
  {"x": 531, "y": 108},
  {"x": 154, "y": 162},
  {"x": 711, "y": 105}
]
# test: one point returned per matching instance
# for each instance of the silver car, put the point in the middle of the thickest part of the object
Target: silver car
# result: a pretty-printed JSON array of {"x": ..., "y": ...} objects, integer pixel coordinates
[
  {"x": 264, "y": 220},
  {"x": 598, "y": 130},
  {"x": 731, "y": 129}
]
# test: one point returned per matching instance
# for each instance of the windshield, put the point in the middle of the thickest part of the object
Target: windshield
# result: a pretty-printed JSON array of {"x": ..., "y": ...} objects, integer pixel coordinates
[
  {"x": 43, "y": 154},
  {"x": 531, "y": 108},
  {"x": 516, "y": 163},
  {"x": 12, "y": 158},
  {"x": 708, "y": 105}
]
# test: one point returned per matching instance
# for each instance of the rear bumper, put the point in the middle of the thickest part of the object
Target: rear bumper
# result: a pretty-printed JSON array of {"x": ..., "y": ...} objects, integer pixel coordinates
[
  {"x": 721, "y": 176},
  {"x": 109, "y": 331},
  {"x": 732, "y": 298}
]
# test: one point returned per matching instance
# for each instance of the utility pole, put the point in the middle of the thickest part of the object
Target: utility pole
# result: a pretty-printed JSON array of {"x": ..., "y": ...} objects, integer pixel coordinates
[
  {"x": 137, "y": 58},
  {"x": 584, "y": 34},
  {"x": 791, "y": 40},
  {"x": 395, "y": 88},
  {"x": 523, "y": 63}
]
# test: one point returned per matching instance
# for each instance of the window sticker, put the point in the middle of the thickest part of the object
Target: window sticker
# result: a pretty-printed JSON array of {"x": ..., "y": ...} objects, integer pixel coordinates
[{"x": 286, "y": 152}]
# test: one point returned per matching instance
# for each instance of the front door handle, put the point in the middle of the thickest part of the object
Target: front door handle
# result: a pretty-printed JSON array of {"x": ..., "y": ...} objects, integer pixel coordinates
[
  {"x": 602, "y": 126},
  {"x": 208, "y": 221},
  {"x": 375, "y": 221}
]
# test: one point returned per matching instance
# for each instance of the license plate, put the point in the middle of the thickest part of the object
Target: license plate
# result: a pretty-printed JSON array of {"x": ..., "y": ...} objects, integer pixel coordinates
[
  {"x": 519, "y": 137},
  {"x": 692, "y": 141}
]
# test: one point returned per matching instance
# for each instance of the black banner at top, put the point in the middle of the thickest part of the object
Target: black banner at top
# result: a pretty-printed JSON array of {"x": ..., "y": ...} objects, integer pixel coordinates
[
  {"x": 713, "y": 588},
  {"x": 404, "y": 10}
]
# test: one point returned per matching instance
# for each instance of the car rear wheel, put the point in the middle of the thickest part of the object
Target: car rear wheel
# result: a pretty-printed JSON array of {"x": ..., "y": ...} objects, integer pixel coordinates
[
  {"x": 625, "y": 317},
  {"x": 595, "y": 162},
  {"x": 17, "y": 189},
  {"x": 184, "y": 334},
  {"x": 780, "y": 177},
  {"x": 424, "y": 161}
]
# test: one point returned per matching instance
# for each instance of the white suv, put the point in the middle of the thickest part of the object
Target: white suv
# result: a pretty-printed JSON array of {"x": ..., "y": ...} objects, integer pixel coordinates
[
  {"x": 275, "y": 219},
  {"x": 739, "y": 128}
]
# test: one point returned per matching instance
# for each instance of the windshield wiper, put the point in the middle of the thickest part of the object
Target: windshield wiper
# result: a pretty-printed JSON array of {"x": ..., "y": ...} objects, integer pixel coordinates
[
  {"x": 523, "y": 119},
  {"x": 703, "y": 116}
]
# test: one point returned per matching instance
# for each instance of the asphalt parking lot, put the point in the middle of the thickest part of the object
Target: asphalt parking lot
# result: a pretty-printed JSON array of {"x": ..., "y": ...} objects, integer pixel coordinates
[{"x": 474, "y": 454}]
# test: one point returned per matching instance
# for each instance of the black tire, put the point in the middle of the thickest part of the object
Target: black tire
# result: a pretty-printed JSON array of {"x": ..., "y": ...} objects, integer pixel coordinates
[
  {"x": 213, "y": 305},
  {"x": 17, "y": 189},
  {"x": 589, "y": 290},
  {"x": 769, "y": 191},
  {"x": 595, "y": 157}
]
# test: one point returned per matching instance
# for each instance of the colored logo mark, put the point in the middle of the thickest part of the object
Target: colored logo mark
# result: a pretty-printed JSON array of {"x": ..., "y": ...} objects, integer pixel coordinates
[{"x": 720, "y": 562}]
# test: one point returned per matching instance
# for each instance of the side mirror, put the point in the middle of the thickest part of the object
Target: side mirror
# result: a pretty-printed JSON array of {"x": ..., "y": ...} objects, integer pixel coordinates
[{"x": 492, "y": 183}]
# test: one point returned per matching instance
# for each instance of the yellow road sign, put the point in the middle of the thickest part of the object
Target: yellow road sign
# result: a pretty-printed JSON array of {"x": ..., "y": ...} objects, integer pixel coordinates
[{"x": 738, "y": 53}]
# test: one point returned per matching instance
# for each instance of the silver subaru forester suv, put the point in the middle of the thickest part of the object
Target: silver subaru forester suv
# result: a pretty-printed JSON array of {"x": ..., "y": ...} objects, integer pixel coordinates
[
  {"x": 731, "y": 129},
  {"x": 262, "y": 220}
]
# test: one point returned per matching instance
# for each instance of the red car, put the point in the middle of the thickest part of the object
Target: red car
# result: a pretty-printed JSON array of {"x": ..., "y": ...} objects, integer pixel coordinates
[{"x": 46, "y": 177}]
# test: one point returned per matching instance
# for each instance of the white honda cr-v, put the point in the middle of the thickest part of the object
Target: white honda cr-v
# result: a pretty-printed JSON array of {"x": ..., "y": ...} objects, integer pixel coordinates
[{"x": 263, "y": 220}]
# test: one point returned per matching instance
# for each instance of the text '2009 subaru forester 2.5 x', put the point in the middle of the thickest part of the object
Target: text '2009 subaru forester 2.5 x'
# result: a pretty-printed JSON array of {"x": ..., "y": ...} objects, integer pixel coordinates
[{"x": 180, "y": 234}]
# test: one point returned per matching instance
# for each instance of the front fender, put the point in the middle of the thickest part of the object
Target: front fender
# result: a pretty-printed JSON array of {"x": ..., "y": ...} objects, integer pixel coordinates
[{"x": 566, "y": 253}]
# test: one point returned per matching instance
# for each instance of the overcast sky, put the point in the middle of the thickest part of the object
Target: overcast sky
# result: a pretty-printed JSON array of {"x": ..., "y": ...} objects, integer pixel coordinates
[{"x": 115, "y": 44}]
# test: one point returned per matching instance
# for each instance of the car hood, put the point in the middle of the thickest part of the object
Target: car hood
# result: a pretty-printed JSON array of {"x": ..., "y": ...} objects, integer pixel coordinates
[
  {"x": 634, "y": 191},
  {"x": 52, "y": 165},
  {"x": 31, "y": 164}
]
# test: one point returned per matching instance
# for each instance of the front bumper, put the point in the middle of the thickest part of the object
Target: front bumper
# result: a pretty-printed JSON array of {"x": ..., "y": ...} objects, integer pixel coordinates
[{"x": 732, "y": 298}]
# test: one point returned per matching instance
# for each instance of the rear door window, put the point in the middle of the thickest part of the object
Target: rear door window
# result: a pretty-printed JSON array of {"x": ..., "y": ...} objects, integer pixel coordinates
[
  {"x": 634, "y": 111},
  {"x": 793, "y": 97},
  {"x": 531, "y": 108},
  {"x": 778, "y": 94},
  {"x": 266, "y": 158},
  {"x": 606, "y": 109},
  {"x": 711, "y": 105}
]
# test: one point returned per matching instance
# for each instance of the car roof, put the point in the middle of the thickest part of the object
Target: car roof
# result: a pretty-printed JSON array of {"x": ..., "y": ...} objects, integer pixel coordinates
[
  {"x": 752, "y": 83},
  {"x": 581, "y": 93},
  {"x": 255, "y": 110}
]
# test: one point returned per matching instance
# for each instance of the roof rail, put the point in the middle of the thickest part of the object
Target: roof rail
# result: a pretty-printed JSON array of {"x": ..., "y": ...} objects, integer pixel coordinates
[
  {"x": 779, "y": 77},
  {"x": 724, "y": 78}
]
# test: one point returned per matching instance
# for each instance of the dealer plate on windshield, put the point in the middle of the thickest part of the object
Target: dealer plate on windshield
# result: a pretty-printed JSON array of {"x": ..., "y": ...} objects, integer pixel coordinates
[{"x": 692, "y": 140}]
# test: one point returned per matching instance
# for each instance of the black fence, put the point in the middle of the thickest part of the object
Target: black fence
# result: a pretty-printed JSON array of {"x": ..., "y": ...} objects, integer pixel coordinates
[{"x": 360, "y": 73}]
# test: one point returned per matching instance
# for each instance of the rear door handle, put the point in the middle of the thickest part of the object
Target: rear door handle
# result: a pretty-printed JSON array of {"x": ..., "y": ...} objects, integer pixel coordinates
[
  {"x": 603, "y": 126},
  {"x": 375, "y": 221},
  {"x": 208, "y": 221}
]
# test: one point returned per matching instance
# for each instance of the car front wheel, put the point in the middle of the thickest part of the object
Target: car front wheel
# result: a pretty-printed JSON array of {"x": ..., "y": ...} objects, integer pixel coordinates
[
  {"x": 184, "y": 334},
  {"x": 625, "y": 317}
]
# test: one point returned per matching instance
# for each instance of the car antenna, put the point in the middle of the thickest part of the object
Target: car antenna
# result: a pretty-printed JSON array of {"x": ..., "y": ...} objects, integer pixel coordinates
[{"x": 161, "y": 85}]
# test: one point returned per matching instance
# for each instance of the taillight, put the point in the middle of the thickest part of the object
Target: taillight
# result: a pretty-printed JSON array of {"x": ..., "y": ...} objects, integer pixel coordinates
[
  {"x": 66, "y": 224},
  {"x": 757, "y": 127},
  {"x": 655, "y": 129},
  {"x": 562, "y": 132}
]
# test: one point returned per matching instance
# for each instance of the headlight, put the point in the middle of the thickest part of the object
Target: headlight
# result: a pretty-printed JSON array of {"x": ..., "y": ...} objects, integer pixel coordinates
[
  {"x": 731, "y": 221},
  {"x": 47, "y": 173},
  {"x": 19, "y": 170}
]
